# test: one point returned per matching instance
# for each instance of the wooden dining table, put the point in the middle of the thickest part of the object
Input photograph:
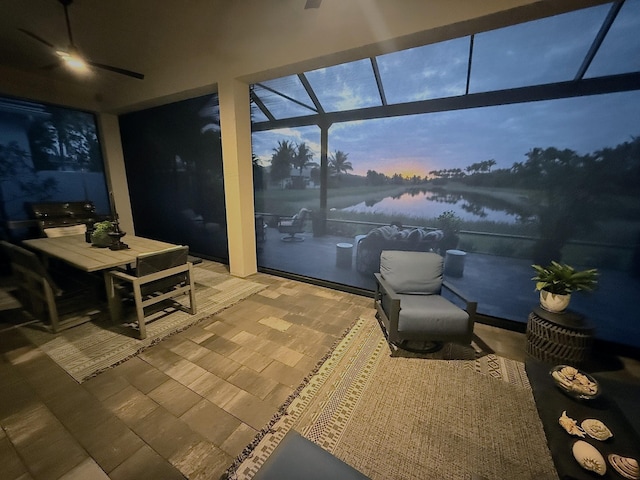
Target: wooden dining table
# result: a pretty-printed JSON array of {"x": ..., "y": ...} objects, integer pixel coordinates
[
  {"x": 77, "y": 252},
  {"x": 74, "y": 250}
]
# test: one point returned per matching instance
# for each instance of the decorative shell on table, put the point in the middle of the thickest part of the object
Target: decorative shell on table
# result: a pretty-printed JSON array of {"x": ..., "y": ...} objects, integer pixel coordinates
[
  {"x": 589, "y": 457},
  {"x": 572, "y": 380},
  {"x": 625, "y": 466},
  {"x": 596, "y": 429},
  {"x": 570, "y": 425}
]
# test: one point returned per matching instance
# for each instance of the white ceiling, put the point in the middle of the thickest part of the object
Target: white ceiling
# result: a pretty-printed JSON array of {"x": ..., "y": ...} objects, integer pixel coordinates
[{"x": 186, "y": 47}]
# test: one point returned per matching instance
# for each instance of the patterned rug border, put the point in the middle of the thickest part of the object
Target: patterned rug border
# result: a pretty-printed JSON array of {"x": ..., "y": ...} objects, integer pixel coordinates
[
  {"x": 39, "y": 334},
  {"x": 320, "y": 373},
  {"x": 155, "y": 341}
]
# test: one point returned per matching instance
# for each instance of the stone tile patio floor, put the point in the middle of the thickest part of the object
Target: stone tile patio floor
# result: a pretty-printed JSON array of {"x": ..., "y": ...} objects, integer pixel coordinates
[{"x": 186, "y": 406}]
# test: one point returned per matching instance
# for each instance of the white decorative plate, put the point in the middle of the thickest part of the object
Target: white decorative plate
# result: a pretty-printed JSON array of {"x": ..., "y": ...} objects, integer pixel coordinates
[
  {"x": 574, "y": 382},
  {"x": 589, "y": 457},
  {"x": 596, "y": 429}
]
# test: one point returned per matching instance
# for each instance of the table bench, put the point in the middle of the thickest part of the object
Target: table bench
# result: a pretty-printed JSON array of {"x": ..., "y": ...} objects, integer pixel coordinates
[{"x": 551, "y": 402}]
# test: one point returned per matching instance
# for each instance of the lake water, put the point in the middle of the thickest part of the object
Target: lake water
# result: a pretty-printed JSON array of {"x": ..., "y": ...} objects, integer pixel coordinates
[{"x": 429, "y": 204}]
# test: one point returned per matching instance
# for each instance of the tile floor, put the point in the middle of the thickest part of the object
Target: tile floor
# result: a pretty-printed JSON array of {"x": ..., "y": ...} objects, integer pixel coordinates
[{"x": 186, "y": 407}]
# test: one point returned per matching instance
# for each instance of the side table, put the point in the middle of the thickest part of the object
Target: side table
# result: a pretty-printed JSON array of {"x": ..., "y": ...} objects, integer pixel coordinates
[
  {"x": 344, "y": 255},
  {"x": 559, "y": 338}
]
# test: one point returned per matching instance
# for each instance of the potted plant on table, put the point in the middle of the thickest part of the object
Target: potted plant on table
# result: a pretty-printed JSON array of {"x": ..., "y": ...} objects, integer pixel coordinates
[
  {"x": 100, "y": 235},
  {"x": 556, "y": 282}
]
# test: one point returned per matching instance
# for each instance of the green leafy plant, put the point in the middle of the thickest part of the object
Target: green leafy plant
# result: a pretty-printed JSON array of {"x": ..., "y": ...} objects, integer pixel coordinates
[
  {"x": 103, "y": 227},
  {"x": 100, "y": 233},
  {"x": 449, "y": 222},
  {"x": 563, "y": 279}
]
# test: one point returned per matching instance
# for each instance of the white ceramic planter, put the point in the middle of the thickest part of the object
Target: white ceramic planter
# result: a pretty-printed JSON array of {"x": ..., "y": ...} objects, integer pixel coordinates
[{"x": 554, "y": 303}]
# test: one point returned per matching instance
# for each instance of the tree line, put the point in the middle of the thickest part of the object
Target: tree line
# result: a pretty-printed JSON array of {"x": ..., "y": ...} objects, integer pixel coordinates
[{"x": 288, "y": 156}]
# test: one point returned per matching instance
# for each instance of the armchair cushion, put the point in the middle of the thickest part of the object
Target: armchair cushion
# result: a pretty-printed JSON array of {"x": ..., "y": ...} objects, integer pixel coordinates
[
  {"x": 412, "y": 272},
  {"x": 443, "y": 319}
]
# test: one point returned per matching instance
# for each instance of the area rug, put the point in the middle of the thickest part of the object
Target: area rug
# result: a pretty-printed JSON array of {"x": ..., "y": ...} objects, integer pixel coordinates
[
  {"x": 456, "y": 413},
  {"x": 90, "y": 348}
]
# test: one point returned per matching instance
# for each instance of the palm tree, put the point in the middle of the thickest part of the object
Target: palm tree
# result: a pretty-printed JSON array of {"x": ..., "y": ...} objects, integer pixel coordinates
[
  {"x": 301, "y": 160},
  {"x": 281, "y": 160},
  {"x": 339, "y": 164}
]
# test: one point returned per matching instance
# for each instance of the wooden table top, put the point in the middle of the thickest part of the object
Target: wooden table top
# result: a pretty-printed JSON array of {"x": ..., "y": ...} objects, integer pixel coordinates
[{"x": 74, "y": 250}]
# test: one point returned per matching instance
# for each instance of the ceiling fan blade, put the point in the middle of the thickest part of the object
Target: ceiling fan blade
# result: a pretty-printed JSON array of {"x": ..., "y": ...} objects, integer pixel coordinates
[
  {"x": 36, "y": 37},
  {"x": 52, "y": 66},
  {"x": 313, "y": 4},
  {"x": 121, "y": 71}
]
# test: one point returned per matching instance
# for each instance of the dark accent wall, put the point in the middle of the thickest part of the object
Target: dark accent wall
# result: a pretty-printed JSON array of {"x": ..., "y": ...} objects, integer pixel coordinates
[{"x": 173, "y": 160}]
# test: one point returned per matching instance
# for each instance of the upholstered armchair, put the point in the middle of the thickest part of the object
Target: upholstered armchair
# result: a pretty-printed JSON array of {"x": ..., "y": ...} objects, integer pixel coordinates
[
  {"x": 293, "y": 225},
  {"x": 410, "y": 307}
]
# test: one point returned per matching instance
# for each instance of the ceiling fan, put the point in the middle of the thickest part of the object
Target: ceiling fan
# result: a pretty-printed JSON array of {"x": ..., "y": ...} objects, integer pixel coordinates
[
  {"x": 71, "y": 55},
  {"x": 312, "y": 4}
]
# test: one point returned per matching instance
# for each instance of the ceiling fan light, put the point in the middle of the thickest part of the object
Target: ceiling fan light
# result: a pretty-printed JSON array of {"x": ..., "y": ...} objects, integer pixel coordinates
[{"x": 74, "y": 61}]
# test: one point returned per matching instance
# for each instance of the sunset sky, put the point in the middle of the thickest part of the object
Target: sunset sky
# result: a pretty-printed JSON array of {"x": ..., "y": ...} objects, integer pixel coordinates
[
  {"x": 421, "y": 143},
  {"x": 544, "y": 51}
]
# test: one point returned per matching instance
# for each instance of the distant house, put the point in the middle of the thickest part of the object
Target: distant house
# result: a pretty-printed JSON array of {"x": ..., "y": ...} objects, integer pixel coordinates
[{"x": 299, "y": 179}]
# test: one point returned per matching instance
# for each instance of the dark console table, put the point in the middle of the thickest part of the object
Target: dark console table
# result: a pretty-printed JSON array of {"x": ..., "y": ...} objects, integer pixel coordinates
[
  {"x": 559, "y": 338},
  {"x": 551, "y": 402}
]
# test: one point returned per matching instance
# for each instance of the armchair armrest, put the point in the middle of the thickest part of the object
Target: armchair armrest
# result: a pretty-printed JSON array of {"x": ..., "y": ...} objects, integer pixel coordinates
[
  {"x": 152, "y": 277},
  {"x": 387, "y": 303},
  {"x": 286, "y": 221},
  {"x": 471, "y": 306},
  {"x": 385, "y": 287},
  {"x": 122, "y": 275}
]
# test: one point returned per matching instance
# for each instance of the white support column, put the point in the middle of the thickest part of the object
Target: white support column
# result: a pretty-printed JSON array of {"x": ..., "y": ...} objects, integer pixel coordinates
[
  {"x": 116, "y": 172},
  {"x": 235, "y": 124}
]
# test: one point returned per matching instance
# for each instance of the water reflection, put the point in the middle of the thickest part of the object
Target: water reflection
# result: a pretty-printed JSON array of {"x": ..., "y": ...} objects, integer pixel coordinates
[{"x": 420, "y": 203}]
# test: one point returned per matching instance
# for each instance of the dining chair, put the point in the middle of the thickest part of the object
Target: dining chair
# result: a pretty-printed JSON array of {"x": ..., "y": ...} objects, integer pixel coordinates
[
  {"x": 158, "y": 277},
  {"x": 53, "y": 232},
  {"x": 65, "y": 301}
]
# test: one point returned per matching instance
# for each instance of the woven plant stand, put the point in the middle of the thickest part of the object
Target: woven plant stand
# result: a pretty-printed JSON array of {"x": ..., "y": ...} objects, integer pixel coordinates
[{"x": 564, "y": 338}]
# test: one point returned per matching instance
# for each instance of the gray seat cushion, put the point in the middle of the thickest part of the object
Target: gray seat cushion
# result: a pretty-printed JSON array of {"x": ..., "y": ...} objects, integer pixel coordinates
[{"x": 433, "y": 314}]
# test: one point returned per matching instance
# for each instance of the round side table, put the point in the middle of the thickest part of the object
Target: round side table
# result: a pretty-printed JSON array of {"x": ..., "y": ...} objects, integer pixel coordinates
[
  {"x": 559, "y": 338},
  {"x": 344, "y": 255}
]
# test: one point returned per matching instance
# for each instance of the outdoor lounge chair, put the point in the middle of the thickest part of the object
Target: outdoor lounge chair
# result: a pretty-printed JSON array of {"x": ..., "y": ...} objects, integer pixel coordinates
[
  {"x": 293, "y": 225},
  {"x": 158, "y": 277},
  {"x": 410, "y": 307}
]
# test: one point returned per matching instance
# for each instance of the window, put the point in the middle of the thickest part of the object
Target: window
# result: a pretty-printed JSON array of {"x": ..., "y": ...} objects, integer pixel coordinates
[{"x": 521, "y": 144}]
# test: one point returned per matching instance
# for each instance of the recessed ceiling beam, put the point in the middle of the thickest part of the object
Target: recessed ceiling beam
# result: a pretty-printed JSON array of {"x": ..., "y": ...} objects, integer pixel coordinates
[
  {"x": 291, "y": 99},
  {"x": 263, "y": 108},
  {"x": 376, "y": 73},
  {"x": 552, "y": 91},
  {"x": 597, "y": 41},
  {"x": 312, "y": 94}
]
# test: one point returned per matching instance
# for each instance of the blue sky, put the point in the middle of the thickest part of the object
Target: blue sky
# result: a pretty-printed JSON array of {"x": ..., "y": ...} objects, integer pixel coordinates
[{"x": 547, "y": 50}]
